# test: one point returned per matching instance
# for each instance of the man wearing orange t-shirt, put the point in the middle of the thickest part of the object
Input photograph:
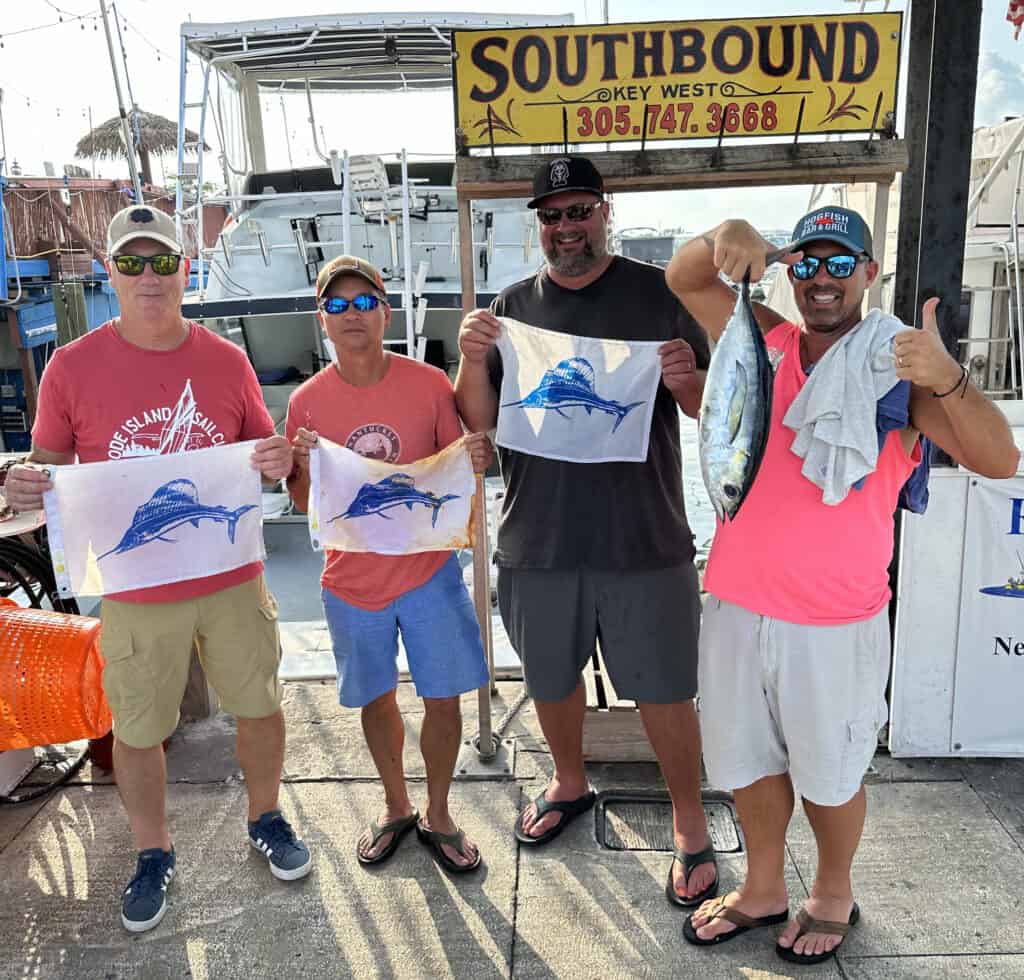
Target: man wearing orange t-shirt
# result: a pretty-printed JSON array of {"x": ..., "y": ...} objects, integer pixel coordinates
[
  {"x": 118, "y": 392},
  {"x": 398, "y": 410}
]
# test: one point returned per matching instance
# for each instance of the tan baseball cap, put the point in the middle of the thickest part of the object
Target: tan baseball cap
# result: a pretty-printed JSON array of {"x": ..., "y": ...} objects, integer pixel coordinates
[
  {"x": 141, "y": 221},
  {"x": 349, "y": 265}
]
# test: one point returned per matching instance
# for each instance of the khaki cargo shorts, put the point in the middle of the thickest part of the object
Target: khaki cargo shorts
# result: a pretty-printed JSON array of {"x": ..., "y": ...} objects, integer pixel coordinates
[{"x": 148, "y": 648}]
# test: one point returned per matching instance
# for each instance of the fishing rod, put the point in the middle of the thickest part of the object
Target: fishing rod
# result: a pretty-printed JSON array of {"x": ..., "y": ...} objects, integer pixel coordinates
[{"x": 125, "y": 129}]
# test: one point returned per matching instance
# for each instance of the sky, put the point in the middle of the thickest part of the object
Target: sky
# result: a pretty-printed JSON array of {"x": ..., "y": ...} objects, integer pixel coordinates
[{"x": 56, "y": 79}]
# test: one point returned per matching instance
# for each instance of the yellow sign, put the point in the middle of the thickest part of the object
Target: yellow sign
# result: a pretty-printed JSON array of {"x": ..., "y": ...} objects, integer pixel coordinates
[{"x": 769, "y": 76}]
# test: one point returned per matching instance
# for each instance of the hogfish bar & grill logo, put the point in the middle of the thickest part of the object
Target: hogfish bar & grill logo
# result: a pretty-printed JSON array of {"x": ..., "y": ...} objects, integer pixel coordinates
[{"x": 683, "y": 80}]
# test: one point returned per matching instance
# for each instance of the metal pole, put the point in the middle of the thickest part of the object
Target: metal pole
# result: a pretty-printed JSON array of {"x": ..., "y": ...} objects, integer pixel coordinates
[
  {"x": 481, "y": 567},
  {"x": 482, "y": 601},
  {"x": 125, "y": 129},
  {"x": 179, "y": 191},
  {"x": 346, "y": 205},
  {"x": 287, "y": 141},
  {"x": 3, "y": 135},
  {"x": 410, "y": 324},
  {"x": 92, "y": 145}
]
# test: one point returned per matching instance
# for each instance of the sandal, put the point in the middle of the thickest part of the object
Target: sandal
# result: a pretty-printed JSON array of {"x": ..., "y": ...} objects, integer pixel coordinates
[
  {"x": 570, "y": 810},
  {"x": 808, "y": 924},
  {"x": 397, "y": 828},
  {"x": 434, "y": 839},
  {"x": 744, "y": 923},
  {"x": 689, "y": 862}
]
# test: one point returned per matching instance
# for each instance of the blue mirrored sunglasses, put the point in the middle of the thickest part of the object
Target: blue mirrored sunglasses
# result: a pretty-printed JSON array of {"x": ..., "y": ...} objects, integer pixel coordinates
[
  {"x": 364, "y": 302},
  {"x": 837, "y": 266}
]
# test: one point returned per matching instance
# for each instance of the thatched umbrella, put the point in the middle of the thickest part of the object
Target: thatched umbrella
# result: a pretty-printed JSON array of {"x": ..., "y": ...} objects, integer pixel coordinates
[{"x": 157, "y": 135}]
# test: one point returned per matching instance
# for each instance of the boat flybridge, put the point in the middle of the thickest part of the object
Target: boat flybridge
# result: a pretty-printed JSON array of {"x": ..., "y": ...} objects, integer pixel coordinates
[{"x": 399, "y": 211}]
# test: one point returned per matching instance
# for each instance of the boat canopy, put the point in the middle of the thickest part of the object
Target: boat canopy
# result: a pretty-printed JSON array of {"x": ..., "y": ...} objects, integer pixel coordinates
[{"x": 345, "y": 52}]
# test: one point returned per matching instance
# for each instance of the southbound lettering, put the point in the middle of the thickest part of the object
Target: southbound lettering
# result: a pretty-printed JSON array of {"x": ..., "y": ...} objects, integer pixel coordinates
[{"x": 847, "y": 53}]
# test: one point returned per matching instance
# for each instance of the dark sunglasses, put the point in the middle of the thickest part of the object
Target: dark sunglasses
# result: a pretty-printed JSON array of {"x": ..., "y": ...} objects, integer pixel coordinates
[
  {"x": 837, "y": 266},
  {"x": 164, "y": 264},
  {"x": 574, "y": 212},
  {"x": 364, "y": 302}
]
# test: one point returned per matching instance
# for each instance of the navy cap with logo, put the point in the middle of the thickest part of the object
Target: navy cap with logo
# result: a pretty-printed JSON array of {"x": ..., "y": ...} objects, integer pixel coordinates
[
  {"x": 568, "y": 173},
  {"x": 834, "y": 224}
]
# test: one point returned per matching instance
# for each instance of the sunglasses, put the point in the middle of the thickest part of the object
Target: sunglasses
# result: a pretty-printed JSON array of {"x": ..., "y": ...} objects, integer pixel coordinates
[
  {"x": 837, "y": 266},
  {"x": 165, "y": 264},
  {"x": 364, "y": 302},
  {"x": 574, "y": 212}
]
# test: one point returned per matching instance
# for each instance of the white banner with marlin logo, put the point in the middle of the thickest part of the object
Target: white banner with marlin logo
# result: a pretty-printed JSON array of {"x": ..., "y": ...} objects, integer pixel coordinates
[
  {"x": 578, "y": 399},
  {"x": 361, "y": 504},
  {"x": 130, "y": 524}
]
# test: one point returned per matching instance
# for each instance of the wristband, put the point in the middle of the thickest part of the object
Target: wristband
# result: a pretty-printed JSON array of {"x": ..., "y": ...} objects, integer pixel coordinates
[{"x": 962, "y": 380}]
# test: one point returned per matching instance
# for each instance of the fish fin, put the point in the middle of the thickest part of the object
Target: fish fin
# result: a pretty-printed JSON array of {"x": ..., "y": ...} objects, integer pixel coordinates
[
  {"x": 408, "y": 504},
  {"x": 558, "y": 411},
  {"x": 433, "y": 517},
  {"x": 163, "y": 537},
  {"x": 738, "y": 400},
  {"x": 588, "y": 409},
  {"x": 195, "y": 523},
  {"x": 381, "y": 513}
]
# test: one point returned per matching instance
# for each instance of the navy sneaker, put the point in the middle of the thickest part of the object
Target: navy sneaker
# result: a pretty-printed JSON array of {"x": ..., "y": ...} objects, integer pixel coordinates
[
  {"x": 287, "y": 855},
  {"x": 145, "y": 898}
]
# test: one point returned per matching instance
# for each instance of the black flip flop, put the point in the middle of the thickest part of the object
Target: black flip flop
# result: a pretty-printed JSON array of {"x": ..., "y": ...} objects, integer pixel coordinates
[
  {"x": 570, "y": 810},
  {"x": 434, "y": 839},
  {"x": 689, "y": 862},
  {"x": 398, "y": 828},
  {"x": 809, "y": 924},
  {"x": 744, "y": 923}
]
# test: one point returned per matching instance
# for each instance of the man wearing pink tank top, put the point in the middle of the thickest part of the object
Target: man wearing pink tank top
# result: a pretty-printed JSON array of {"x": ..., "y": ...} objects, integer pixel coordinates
[{"x": 794, "y": 645}]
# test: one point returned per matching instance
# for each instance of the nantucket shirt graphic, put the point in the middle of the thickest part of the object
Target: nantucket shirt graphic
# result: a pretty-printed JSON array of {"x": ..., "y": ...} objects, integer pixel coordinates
[{"x": 165, "y": 429}]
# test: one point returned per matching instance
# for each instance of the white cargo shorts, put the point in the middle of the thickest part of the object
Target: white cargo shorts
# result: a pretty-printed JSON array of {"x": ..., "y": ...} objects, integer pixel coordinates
[{"x": 779, "y": 697}]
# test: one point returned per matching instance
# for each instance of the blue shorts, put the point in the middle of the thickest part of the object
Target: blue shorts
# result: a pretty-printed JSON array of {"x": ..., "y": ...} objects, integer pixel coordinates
[{"x": 439, "y": 631}]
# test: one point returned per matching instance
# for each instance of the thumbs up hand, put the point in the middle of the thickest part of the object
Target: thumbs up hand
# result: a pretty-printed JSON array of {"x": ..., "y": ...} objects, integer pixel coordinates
[{"x": 921, "y": 356}]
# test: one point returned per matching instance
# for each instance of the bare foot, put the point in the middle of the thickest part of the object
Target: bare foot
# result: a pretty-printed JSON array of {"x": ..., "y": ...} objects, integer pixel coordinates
[
  {"x": 756, "y": 907},
  {"x": 825, "y": 908}
]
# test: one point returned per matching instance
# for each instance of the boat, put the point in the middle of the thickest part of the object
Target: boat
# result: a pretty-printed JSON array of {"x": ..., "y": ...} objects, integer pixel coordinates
[{"x": 397, "y": 211}]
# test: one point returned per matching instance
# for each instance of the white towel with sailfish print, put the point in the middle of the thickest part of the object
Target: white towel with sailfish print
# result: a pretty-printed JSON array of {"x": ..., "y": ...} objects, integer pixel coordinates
[
  {"x": 361, "y": 504},
  {"x": 134, "y": 523},
  {"x": 578, "y": 399}
]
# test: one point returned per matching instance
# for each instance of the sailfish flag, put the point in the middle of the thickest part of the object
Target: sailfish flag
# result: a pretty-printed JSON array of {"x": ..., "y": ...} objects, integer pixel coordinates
[
  {"x": 579, "y": 399},
  {"x": 361, "y": 504},
  {"x": 134, "y": 523}
]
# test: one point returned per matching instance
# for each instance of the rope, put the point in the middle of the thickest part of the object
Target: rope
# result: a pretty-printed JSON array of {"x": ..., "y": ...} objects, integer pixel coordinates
[{"x": 513, "y": 709}]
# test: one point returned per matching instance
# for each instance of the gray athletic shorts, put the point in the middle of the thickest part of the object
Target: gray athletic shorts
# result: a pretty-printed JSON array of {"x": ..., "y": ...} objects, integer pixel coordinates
[{"x": 646, "y": 622}]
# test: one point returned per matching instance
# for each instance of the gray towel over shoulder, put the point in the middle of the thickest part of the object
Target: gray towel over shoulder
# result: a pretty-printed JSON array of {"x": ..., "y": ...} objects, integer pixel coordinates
[{"x": 834, "y": 413}]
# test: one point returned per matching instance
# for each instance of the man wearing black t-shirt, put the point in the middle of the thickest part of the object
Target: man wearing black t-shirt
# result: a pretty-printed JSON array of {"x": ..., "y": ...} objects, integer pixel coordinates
[{"x": 600, "y": 551}]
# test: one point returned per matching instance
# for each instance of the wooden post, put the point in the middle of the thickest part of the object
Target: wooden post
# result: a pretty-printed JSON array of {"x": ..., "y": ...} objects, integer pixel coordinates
[
  {"x": 878, "y": 233},
  {"x": 28, "y": 367}
]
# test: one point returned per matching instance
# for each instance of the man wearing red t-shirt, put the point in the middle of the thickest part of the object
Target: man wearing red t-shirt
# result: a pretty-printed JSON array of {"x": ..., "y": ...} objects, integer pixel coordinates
[
  {"x": 398, "y": 410},
  {"x": 118, "y": 392}
]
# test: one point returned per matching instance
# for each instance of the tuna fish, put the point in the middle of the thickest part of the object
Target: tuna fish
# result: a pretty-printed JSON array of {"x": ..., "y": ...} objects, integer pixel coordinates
[
  {"x": 570, "y": 384},
  {"x": 174, "y": 504},
  {"x": 736, "y": 410},
  {"x": 393, "y": 491}
]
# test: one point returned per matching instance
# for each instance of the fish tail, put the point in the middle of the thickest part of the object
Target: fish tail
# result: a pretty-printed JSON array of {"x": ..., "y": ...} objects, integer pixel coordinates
[
  {"x": 622, "y": 411},
  {"x": 234, "y": 518}
]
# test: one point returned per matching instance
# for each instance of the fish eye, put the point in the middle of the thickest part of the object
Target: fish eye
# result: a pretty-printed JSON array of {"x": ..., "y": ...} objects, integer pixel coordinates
[{"x": 730, "y": 491}]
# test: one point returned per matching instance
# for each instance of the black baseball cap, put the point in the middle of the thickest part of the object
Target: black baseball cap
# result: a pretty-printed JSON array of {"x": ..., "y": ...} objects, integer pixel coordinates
[
  {"x": 834, "y": 224},
  {"x": 570, "y": 173}
]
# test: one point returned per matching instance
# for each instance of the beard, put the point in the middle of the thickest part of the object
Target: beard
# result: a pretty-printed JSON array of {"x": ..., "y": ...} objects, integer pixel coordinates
[{"x": 578, "y": 264}]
